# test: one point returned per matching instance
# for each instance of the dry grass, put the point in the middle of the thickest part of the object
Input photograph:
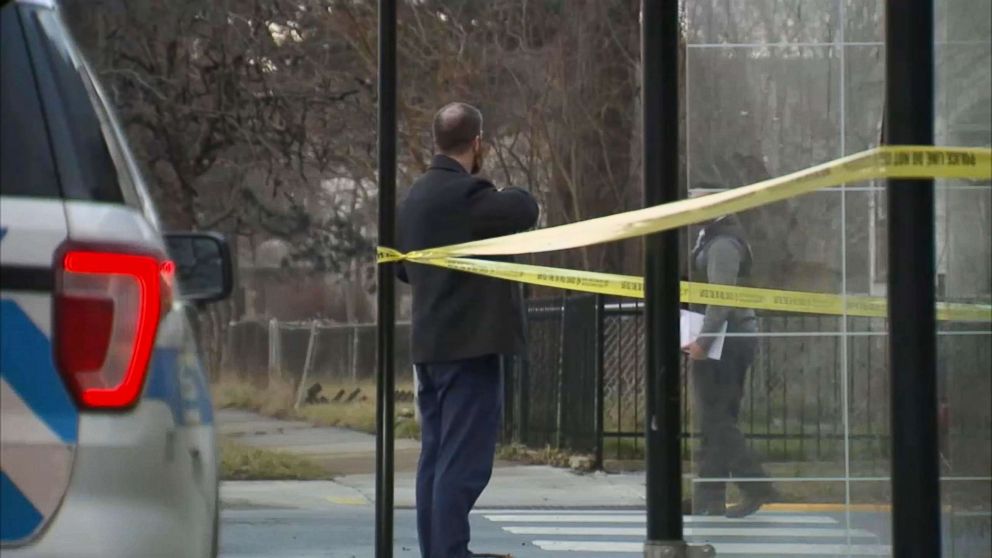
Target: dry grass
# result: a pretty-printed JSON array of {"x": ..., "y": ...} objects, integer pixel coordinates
[
  {"x": 275, "y": 400},
  {"x": 529, "y": 456},
  {"x": 278, "y": 398},
  {"x": 240, "y": 462}
]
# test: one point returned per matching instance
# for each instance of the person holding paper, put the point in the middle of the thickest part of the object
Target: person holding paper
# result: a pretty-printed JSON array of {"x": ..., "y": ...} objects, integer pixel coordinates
[{"x": 723, "y": 256}]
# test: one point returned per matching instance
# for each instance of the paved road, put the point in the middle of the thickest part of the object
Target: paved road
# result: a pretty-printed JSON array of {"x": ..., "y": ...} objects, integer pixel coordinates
[
  {"x": 531, "y": 511},
  {"x": 346, "y": 532}
]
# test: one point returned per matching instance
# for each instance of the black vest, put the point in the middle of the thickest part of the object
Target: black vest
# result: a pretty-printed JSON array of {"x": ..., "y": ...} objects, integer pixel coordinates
[{"x": 728, "y": 227}]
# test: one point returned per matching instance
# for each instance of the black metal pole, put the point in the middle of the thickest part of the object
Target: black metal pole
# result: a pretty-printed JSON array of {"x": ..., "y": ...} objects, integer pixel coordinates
[
  {"x": 909, "y": 102},
  {"x": 599, "y": 323},
  {"x": 385, "y": 374},
  {"x": 659, "y": 63}
]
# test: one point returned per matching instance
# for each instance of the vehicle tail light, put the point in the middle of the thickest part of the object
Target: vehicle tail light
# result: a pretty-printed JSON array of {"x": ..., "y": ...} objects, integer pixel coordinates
[{"x": 107, "y": 310}]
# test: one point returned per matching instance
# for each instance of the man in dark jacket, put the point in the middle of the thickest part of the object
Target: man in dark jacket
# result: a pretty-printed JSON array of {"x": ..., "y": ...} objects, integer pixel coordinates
[
  {"x": 462, "y": 323},
  {"x": 722, "y": 255}
]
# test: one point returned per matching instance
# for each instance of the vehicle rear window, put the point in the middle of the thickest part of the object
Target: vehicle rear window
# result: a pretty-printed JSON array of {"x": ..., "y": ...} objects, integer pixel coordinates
[
  {"x": 89, "y": 172},
  {"x": 26, "y": 166}
]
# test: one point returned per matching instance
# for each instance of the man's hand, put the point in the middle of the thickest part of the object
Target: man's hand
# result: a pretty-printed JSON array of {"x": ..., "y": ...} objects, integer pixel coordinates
[{"x": 696, "y": 352}]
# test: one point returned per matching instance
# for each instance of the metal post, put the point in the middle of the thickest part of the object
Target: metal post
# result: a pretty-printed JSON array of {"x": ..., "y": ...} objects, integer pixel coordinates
[
  {"x": 560, "y": 385},
  {"x": 659, "y": 62},
  {"x": 524, "y": 434},
  {"x": 275, "y": 351},
  {"x": 385, "y": 374},
  {"x": 307, "y": 364},
  {"x": 506, "y": 382},
  {"x": 600, "y": 373},
  {"x": 909, "y": 107}
]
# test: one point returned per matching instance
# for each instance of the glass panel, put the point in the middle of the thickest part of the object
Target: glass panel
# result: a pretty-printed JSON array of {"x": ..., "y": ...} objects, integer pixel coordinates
[
  {"x": 964, "y": 105},
  {"x": 864, "y": 96},
  {"x": 963, "y": 21},
  {"x": 866, "y": 253},
  {"x": 964, "y": 117},
  {"x": 864, "y": 21},
  {"x": 779, "y": 419},
  {"x": 760, "y": 22},
  {"x": 869, "y": 515},
  {"x": 868, "y": 398},
  {"x": 963, "y": 366},
  {"x": 964, "y": 234},
  {"x": 755, "y": 113},
  {"x": 812, "y": 529},
  {"x": 815, "y": 405}
]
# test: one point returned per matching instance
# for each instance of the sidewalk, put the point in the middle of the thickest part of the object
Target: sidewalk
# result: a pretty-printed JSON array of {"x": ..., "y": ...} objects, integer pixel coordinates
[
  {"x": 350, "y": 456},
  {"x": 340, "y": 450}
]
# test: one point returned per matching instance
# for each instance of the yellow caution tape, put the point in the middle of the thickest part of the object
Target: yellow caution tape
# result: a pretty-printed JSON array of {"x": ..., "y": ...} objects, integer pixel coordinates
[
  {"x": 695, "y": 293},
  {"x": 882, "y": 162}
]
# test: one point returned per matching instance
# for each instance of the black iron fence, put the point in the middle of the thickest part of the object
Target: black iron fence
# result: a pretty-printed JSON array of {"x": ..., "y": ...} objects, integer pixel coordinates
[{"x": 818, "y": 390}]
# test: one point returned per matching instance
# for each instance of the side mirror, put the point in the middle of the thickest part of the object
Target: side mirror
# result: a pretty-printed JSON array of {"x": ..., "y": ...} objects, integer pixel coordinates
[{"x": 203, "y": 265}]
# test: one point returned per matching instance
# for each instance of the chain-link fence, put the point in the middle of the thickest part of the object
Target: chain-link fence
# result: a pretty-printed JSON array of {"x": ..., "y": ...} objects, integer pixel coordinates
[{"x": 260, "y": 351}]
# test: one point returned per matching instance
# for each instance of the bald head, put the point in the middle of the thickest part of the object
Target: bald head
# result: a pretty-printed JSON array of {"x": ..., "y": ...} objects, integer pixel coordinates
[{"x": 456, "y": 126}]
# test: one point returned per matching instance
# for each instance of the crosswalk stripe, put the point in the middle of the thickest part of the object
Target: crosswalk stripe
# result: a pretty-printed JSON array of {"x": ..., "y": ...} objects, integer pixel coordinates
[
  {"x": 540, "y": 511},
  {"x": 590, "y": 546},
  {"x": 785, "y": 549},
  {"x": 764, "y": 549},
  {"x": 623, "y": 531},
  {"x": 695, "y": 532},
  {"x": 641, "y": 518}
]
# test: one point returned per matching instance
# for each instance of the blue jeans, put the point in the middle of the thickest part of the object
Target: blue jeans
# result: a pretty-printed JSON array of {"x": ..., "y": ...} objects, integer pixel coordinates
[{"x": 460, "y": 416}]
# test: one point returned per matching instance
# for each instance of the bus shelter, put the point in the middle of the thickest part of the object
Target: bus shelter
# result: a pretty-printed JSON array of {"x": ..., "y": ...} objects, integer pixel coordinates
[{"x": 735, "y": 93}]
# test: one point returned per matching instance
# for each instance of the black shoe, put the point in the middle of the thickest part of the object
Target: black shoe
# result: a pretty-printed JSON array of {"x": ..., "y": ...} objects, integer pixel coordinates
[
  {"x": 490, "y": 555},
  {"x": 751, "y": 504}
]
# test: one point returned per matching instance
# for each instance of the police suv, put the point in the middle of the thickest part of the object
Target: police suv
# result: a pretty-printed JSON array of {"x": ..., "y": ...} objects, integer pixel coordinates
[{"x": 106, "y": 427}]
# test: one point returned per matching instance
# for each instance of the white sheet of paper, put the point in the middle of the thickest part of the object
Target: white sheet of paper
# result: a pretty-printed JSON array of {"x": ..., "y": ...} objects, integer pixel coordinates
[{"x": 691, "y": 324}]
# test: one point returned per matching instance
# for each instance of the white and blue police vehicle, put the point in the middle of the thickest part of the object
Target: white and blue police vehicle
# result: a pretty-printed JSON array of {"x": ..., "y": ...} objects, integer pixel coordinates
[{"x": 106, "y": 427}]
